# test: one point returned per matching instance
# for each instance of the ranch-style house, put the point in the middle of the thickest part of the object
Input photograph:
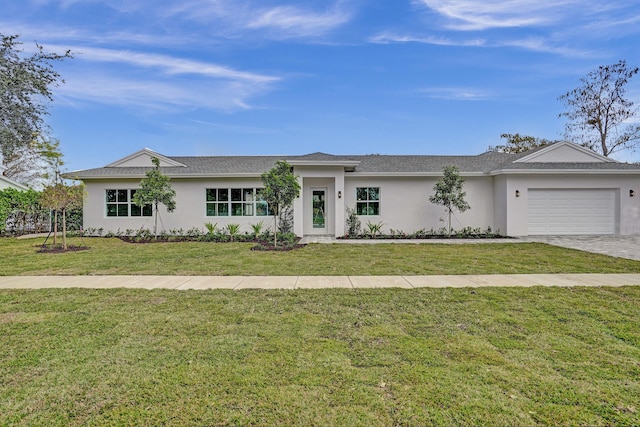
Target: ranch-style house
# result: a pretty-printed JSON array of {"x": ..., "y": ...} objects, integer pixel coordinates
[{"x": 557, "y": 189}]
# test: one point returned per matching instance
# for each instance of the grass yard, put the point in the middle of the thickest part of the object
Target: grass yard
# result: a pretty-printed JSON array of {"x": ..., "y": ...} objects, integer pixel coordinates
[
  {"x": 385, "y": 357},
  {"x": 113, "y": 256}
]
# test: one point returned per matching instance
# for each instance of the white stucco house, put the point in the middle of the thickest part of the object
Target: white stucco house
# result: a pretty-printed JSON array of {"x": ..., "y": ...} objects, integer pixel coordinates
[
  {"x": 9, "y": 183},
  {"x": 558, "y": 189}
]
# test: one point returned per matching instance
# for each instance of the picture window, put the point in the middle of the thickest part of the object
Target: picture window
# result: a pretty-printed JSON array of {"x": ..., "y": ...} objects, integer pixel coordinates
[{"x": 236, "y": 202}]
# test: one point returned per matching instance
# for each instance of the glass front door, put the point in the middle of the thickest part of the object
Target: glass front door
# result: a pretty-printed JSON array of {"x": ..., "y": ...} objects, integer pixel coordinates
[{"x": 319, "y": 209}]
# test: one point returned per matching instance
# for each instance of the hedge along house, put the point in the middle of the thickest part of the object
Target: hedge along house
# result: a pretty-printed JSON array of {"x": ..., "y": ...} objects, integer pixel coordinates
[{"x": 557, "y": 189}]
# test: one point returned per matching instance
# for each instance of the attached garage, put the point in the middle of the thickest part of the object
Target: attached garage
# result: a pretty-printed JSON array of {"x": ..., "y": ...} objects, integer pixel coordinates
[{"x": 572, "y": 211}]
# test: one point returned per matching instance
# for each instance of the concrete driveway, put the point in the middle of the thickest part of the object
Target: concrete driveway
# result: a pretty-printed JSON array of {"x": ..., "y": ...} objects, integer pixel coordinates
[{"x": 617, "y": 246}]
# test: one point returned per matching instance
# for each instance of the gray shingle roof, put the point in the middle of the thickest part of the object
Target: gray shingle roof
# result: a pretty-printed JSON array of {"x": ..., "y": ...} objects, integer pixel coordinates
[
  {"x": 482, "y": 163},
  {"x": 203, "y": 166}
]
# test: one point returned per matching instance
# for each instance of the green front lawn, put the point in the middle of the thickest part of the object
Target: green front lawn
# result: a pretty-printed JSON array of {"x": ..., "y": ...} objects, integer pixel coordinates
[
  {"x": 112, "y": 256},
  {"x": 386, "y": 357}
]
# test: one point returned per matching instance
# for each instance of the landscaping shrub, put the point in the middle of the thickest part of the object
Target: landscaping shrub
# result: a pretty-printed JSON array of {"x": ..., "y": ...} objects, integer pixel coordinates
[
  {"x": 21, "y": 212},
  {"x": 374, "y": 232},
  {"x": 231, "y": 233}
]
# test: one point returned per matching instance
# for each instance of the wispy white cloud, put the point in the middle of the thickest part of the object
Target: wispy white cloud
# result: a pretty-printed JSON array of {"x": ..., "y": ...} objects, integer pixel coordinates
[
  {"x": 156, "y": 94},
  {"x": 535, "y": 44},
  {"x": 283, "y": 21},
  {"x": 120, "y": 5},
  {"x": 158, "y": 82},
  {"x": 118, "y": 67},
  {"x": 229, "y": 18},
  {"x": 585, "y": 17},
  {"x": 455, "y": 93},
  {"x": 541, "y": 44},
  {"x": 567, "y": 28},
  {"x": 202, "y": 9},
  {"x": 481, "y": 15},
  {"x": 388, "y": 38},
  {"x": 293, "y": 21},
  {"x": 70, "y": 35},
  {"x": 237, "y": 128},
  {"x": 169, "y": 65}
]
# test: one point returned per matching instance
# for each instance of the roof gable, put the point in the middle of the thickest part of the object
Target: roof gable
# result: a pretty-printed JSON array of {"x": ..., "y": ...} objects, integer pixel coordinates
[
  {"x": 9, "y": 183},
  {"x": 564, "y": 152},
  {"x": 142, "y": 158},
  {"x": 317, "y": 156}
]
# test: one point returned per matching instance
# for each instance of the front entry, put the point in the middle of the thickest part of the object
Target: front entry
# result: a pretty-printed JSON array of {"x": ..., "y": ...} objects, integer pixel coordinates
[{"x": 318, "y": 210}]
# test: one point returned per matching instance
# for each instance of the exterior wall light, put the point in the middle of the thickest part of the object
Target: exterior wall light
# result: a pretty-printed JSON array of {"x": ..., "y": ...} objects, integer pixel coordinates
[
  {"x": 517, "y": 193},
  {"x": 632, "y": 193},
  {"x": 339, "y": 194}
]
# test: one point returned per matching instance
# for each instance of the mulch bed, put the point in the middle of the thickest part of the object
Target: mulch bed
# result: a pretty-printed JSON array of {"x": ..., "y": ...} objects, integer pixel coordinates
[
  {"x": 280, "y": 248},
  {"x": 260, "y": 245},
  {"x": 57, "y": 249}
]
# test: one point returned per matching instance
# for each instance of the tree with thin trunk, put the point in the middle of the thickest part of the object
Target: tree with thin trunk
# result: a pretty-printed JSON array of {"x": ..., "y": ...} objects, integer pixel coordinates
[
  {"x": 448, "y": 193},
  {"x": 154, "y": 190},
  {"x": 60, "y": 198},
  {"x": 281, "y": 187},
  {"x": 601, "y": 115}
]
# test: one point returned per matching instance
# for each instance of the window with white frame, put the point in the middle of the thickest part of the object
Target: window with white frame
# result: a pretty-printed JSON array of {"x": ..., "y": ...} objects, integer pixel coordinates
[
  {"x": 368, "y": 200},
  {"x": 236, "y": 202},
  {"x": 119, "y": 204}
]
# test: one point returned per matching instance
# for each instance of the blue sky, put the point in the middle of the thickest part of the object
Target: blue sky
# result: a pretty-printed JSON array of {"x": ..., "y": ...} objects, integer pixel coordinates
[{"x": 243, "y": 77}]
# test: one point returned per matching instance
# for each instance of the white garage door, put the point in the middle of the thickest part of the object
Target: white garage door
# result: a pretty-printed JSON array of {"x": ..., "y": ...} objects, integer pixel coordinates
[{"x": 576, "y": 211}]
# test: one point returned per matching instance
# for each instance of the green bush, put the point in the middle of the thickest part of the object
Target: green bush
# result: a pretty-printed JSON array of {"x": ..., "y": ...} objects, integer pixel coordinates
[{"x": 21, "y": 212}]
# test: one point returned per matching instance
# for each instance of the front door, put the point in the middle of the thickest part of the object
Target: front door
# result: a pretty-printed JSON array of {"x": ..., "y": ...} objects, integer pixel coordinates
[{"x": 318, "y": 210}]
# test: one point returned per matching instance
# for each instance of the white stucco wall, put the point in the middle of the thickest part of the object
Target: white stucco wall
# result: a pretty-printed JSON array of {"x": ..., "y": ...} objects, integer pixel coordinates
[
  {"x": 500, "y": 204},
  {"x": 405, "y": 206},
  {"x": 190, "y": 206},
  {"x": 564, "y": 153}
]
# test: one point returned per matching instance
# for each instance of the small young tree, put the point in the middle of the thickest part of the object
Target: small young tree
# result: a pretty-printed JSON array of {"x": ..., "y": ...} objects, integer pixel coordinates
[
  {"x": 155, "y": 189},
  {"x": 60, "y": 198},
  {"x": 448, "y": 192},
  {"x": 281, "y": 187}
]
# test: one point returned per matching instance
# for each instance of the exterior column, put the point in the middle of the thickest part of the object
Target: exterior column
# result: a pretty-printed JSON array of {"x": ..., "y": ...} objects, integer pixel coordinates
[
  {"x": 339, "y": 204},
  {"x": 298, "y": 210}
]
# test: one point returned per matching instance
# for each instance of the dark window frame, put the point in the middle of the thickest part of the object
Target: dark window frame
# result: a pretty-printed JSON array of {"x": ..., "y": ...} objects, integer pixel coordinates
[
  {"x": 368, "y": 201},
  {"x": 235, "y": 201},
  {"x": 118, "y": 204}
]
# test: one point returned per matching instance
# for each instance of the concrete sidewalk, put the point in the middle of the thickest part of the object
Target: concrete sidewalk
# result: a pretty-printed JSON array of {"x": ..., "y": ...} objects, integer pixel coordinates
[{"x": 316, "y": 282}]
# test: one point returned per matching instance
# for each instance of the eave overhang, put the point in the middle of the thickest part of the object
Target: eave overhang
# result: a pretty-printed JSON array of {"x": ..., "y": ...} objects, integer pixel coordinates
[
  {"x": 334, "y": 163},
  {"x": 410, "y": 174},
  {"x": 171, "y": 176},
  {"x": 565, "y": 172}
]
